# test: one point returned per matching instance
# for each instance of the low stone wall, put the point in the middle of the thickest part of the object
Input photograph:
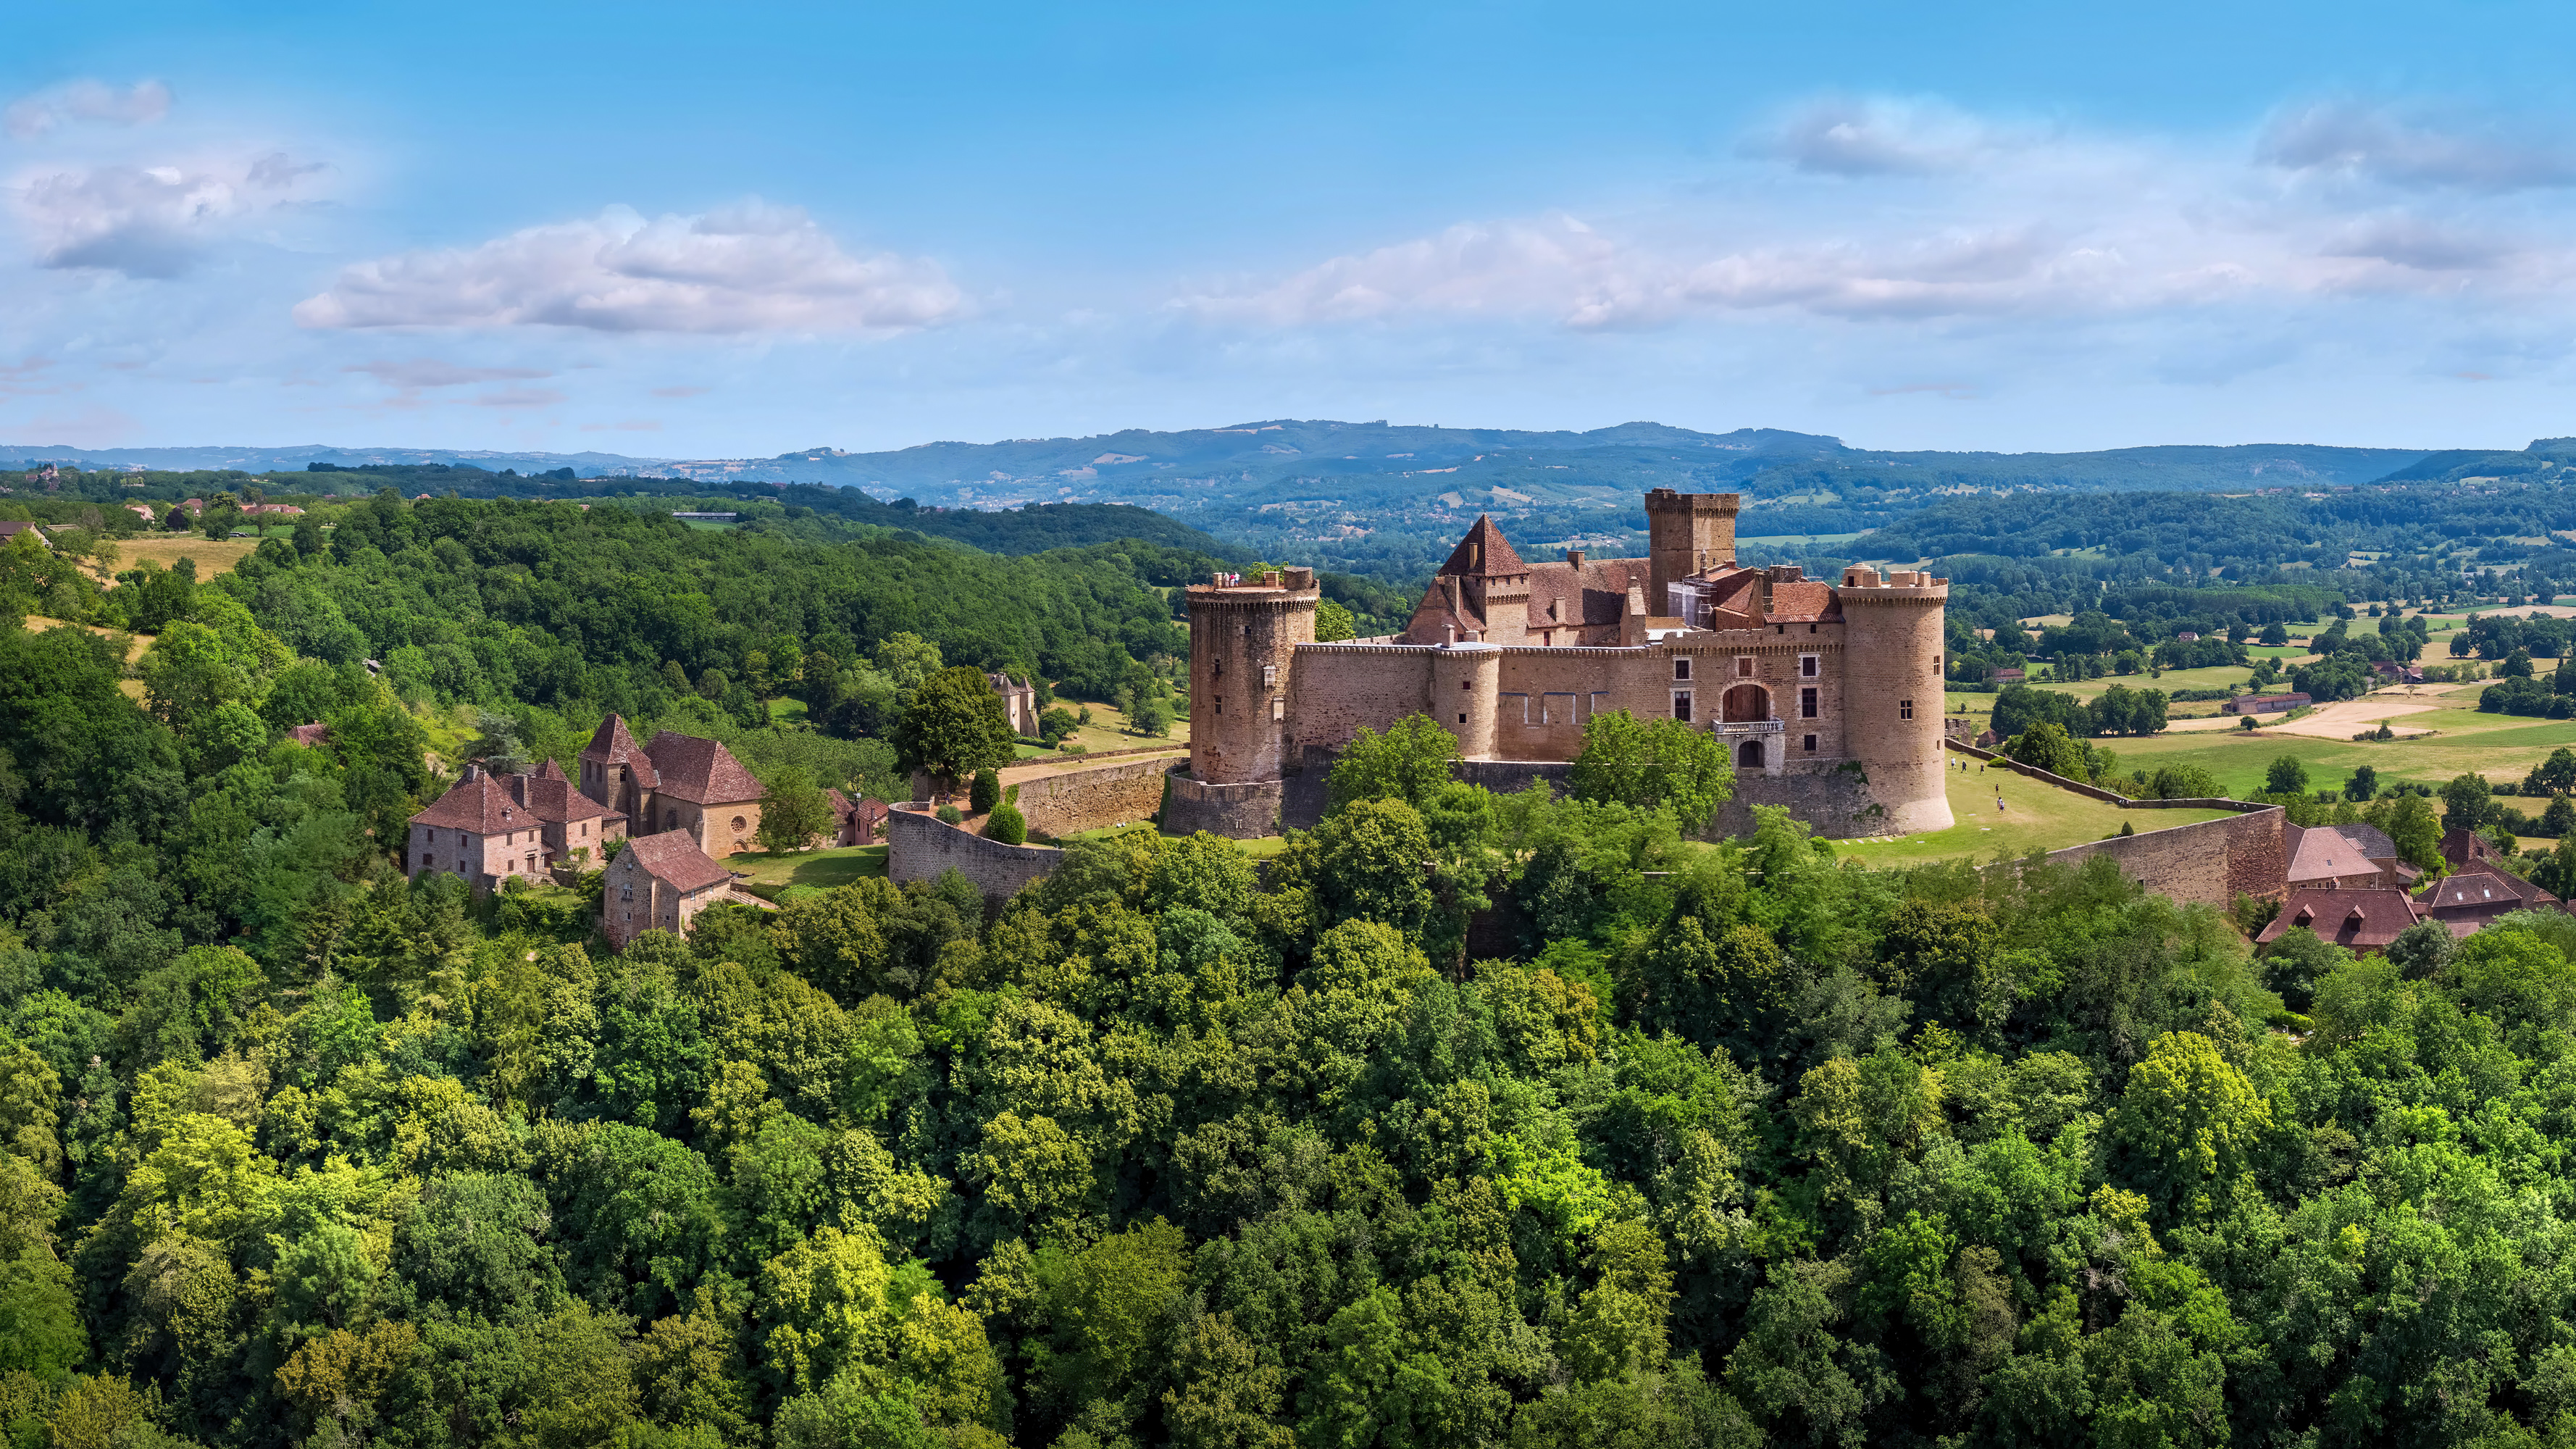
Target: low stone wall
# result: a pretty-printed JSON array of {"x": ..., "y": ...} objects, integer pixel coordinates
[
  {"x": 1069, "y": 801},
  {"x": 1835, "y": 803},
  {"x": 2208, "y": 862},
  {"x": 1238, "y": 812},
  {"x": 920, "y": 846}
]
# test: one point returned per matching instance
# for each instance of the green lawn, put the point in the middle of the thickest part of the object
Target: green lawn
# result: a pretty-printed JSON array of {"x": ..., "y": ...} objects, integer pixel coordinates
[
  {"x": 2498, "y": 746},
  {"x": 2035, "y": 816},
  {"x": 771, "y": 872}
]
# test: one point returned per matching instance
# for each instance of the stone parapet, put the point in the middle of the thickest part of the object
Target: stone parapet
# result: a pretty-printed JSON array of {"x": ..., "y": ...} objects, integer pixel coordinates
[
  {"x": 921, "y": 846},
  {"x": 1247, "y": 810}
]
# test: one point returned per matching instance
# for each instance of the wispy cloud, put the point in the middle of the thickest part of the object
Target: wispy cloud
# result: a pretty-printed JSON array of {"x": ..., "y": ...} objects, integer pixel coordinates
[
  {"x": 149, "y": 221},
  {"x": 86, "y": 100},
  {"x": 520, "y": 397},
  {"x": 420, "y": 372},
  {"x": 2409, "y": 148},
  {"x": 750, "y": 268},
  {"x": 1882, "y": 136}
]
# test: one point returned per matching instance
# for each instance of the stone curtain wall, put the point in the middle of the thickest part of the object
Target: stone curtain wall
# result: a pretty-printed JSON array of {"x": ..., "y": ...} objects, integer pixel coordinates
[
  {"x": 1239, "y": 812},
  {"x": 2209, "y": 862},
  {"x": 1071, "y": 801},
  {"x": 919, "y": 846}
]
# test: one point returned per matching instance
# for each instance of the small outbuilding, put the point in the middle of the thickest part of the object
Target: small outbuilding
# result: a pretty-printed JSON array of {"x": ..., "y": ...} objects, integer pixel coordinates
[{"x": 659, "y": 883}]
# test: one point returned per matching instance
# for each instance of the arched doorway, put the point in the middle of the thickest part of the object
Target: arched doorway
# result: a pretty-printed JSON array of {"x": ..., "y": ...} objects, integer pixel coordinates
[
  {"x": 1748, "y": 755},
  {"x": 1745, "y": 702}
]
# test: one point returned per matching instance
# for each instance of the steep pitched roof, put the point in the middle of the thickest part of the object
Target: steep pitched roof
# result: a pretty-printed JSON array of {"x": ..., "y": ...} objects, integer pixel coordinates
[
  {"x": 1484, "y": 551},
  {"x": 2459, "y": 846},
  {"x": 478, "y": 803},
  {"x": 610, "y": 744},
  {"x": 2358, "y": 920},
  {"x": 701, "y": 772},
  {"x": 555, "y": 801},
  {"x": 550, "y": 771},
  {"x": 673, "y": 857},
  {"x": 1442, "y": 609}
]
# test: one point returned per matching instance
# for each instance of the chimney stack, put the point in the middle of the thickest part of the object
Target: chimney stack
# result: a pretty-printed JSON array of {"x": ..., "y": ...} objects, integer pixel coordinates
[{"x": 1574, "y": 556}]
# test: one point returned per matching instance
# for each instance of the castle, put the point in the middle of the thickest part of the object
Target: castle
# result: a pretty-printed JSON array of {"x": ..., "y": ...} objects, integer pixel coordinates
[{"x": 1827, "y": 696}]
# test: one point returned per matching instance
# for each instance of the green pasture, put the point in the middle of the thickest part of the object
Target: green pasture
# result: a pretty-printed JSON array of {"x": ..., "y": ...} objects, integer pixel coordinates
[
  {"x": 2461, "y": 741},
  {"x": 2035, "y": 816},
  {"x": 770, "y": 872}
]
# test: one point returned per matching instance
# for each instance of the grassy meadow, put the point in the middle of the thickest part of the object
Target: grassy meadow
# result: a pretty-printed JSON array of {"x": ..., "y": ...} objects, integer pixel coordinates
[{"x": 2034, "y": 816}]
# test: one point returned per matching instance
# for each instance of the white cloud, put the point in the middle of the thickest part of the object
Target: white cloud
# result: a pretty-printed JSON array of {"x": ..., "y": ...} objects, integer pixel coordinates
[
  {"x": 2405, "y": 149},
  {"x": 1996, "y": 227},
  {"x": 87, "y": 100},
  {"x": 1878, "y": 136},
  {"x": 147, "y": 221},
  {"x": 751, "y": 268}
]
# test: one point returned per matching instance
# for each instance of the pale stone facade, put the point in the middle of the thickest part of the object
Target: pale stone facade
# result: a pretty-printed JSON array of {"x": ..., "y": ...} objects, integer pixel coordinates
[
  {"x": 658, "y": 883},
  {"x": 1827, "y": 696},
  {"x": 488, "y": 828}
]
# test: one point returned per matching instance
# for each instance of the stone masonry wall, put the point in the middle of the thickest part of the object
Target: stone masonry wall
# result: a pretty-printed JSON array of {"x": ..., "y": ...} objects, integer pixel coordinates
[
  {"x": 1336, "y": 688},
  {"x": 1068, "y": 801},
  {"x": 920, "y": 846},
  {"x": 1238, "y": 812},
  {"x": 2209, "y": 862}
]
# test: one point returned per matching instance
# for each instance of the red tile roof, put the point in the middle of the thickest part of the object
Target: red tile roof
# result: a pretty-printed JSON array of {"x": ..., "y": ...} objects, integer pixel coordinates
[
  {"x": 1484, "y": 551},
  {"x": 2359, "y": 920},
  {"x": 611, "y": 744},
  {"x": 701, "y": 772},
  {"x": 555, "y": 801},
  {"x": 550, "y": 771},
  {"x": 2325, "y": 852},
  {"x": 1805, "y": 600},
  {"x": 310, "y": 734},
  {"x": 673, "y": 857},
  {"x": 2479, "y": 886},
  {"x": 1594, "y": 592},
  {"x": 478, "y": 803}
]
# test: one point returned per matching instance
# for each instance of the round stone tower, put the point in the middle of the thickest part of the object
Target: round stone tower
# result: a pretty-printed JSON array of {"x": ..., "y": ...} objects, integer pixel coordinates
[
  {"x": 1241, "y": 642},
  {"x": 1892, "y": 643},
  {"x": 1466, "y": 684}
]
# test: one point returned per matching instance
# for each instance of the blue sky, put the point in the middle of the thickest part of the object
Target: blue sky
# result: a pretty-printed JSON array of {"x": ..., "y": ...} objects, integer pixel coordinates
[{"x": 715, "y": 231}]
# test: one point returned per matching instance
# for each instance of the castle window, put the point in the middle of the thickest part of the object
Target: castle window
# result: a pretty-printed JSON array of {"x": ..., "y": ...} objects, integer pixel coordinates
[
  {"x": 1811, "y": 744},
  {"x": 1217, "y": 668},
  {"x": 1806, "y": 704},
  {"x": 1809, "y": 666},
  {"x": 1682, "y": 704},
  {"x": 1811, "y": 628},
  {"x": 1278, "y": 709},
  {"x": 1464, "y": 686},
  {"x": 1269, "y": 676},
  {"x": 1220, "y": 704},
  {"x": 1681, "y": 668},
  {"x": 1744, "y": 667},
  {"x": 1462, "y": 719},
  {"x": 1905, "y": 709},
  {"x": 737, "y": 822}
]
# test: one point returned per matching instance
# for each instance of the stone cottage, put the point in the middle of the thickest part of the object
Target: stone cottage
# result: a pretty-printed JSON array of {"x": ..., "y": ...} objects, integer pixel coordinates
[{"x": 659, "y": 883}]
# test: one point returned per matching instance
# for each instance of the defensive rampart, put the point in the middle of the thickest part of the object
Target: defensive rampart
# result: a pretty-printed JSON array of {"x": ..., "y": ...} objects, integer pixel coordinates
[
  {"x": 920, "y": 846},
  {"x": 1094, "y": 797},
  {"x": 2207, "y": 862}
]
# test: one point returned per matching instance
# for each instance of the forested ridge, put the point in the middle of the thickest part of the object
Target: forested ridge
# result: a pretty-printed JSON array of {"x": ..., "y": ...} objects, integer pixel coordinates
[{"x": 1481, "y": 1119}]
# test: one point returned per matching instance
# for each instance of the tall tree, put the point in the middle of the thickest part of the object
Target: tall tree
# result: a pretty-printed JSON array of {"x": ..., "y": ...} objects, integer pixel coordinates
[{"x": 955, "y": 725}]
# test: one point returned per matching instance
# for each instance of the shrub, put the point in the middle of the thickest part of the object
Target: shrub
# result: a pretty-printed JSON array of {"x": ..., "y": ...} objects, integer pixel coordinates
[
  {"x": 1006, "y": 825},
  {"x": 985, "y": 793},
  {"x": 948, "y": 815}
]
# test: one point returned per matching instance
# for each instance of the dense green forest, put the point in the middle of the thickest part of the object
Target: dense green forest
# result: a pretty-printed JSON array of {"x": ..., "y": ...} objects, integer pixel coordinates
[
  {"x": 1583, "y": 1135},
  {"x": 1478, "y": 1119}
]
